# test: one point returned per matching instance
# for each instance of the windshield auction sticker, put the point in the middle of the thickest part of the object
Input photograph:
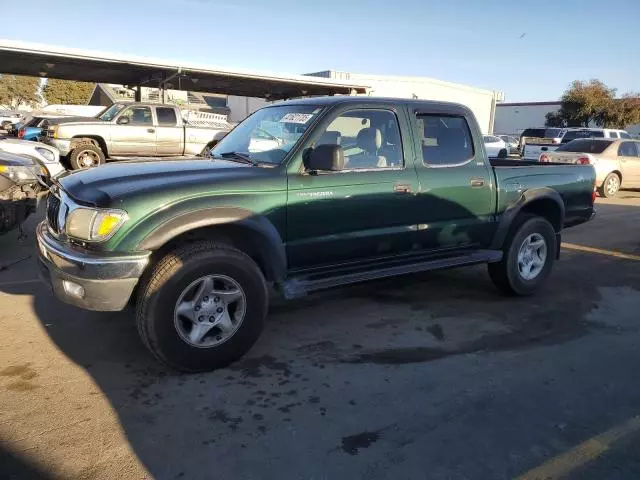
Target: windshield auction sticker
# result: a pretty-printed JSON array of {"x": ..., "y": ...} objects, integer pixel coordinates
[{"x": 296, "y": 118}]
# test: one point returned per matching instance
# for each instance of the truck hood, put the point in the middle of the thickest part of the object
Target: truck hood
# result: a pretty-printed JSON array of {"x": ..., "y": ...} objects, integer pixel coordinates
[
  {"x": 111, "y": 185},
  {"x": 74, "y": 121}
]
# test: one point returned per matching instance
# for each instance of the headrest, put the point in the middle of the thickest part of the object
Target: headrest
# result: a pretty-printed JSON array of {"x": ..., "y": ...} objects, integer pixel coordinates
[{"x": 369, "y": 139}]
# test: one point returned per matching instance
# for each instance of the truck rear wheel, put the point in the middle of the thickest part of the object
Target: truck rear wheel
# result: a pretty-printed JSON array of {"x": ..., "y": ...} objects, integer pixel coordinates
[
  {"x": 529, "y": 253},
  {"x": 86, "y": 155},
  {"x": 202, "y": 306}
]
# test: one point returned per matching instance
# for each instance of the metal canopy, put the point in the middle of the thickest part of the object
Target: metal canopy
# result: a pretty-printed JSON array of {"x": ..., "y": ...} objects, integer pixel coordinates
[{"x": 21, "y": 58}]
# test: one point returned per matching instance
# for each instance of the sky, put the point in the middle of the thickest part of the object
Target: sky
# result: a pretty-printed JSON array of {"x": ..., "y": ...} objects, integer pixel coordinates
[{"x": 530, "y": 50}]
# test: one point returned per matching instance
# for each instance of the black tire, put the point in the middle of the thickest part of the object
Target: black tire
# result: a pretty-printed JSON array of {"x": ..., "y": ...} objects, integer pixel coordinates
[
  {"x": 610, "y": 186},
  {"x": 6, "y": 125},
  {"x": 506, "y": 273},
  {"x": 76, "y": 157},
  {"x": 503, "y": 153},
  {"x": 162, "y": 287}
]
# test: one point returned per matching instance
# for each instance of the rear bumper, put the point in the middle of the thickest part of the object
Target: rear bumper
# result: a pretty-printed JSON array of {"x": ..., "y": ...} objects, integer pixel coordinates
[{"x": 87, "y": 280}]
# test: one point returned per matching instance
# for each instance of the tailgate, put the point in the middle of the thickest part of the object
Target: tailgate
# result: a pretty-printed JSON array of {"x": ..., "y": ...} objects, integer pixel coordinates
[{"x": 532, "y": 151}]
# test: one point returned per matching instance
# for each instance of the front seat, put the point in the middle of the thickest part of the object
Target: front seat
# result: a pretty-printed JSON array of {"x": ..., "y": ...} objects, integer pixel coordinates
[{"x": 369, "y": 140}]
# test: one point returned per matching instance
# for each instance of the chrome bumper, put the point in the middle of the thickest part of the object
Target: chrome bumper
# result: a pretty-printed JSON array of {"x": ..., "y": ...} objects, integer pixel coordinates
[
  {"x": 64, "y": 146},
  {"x": 95, "y": 282}
]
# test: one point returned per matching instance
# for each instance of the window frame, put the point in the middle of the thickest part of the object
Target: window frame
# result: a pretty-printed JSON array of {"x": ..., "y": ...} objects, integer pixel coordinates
[
  {"x": 341, "y": 113},
  {"x": 420, "y": 136},
  {"x": 160, "y": 124},
  {"x": 131, "y": 107},
  {"x": 633, "y": 144}
]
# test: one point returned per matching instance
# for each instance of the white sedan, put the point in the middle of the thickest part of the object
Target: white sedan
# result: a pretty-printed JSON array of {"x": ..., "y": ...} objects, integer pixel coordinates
[
  {"x": 46, "y": 155},
  {"x": 495, "y": 147}
]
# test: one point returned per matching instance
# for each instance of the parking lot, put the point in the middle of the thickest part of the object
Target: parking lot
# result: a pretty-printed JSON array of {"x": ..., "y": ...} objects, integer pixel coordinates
[{"x": 433, "y": 375}]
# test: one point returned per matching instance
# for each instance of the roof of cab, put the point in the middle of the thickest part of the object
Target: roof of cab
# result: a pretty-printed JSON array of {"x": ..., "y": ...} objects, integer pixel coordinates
[{"x": 361, "y": 99}]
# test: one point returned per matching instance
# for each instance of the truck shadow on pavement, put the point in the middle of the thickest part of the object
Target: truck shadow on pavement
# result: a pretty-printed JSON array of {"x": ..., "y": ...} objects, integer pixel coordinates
[{"x": 318, "y": 362}]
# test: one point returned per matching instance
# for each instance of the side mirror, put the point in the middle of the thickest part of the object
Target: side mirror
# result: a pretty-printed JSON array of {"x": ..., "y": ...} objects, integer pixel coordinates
[
  {"x": 122, "y": 120},
  {"x": 326, "y": 158}
]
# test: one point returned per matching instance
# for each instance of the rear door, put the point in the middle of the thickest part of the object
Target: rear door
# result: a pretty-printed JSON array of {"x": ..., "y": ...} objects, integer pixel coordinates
[
  {"x": 456, "y": 199},
  {"x": 138, "y": 136},
  {"x": 366, "y": 210},
  {"x": 629, "y": 155},
  {"x": 169, "y": 132}
]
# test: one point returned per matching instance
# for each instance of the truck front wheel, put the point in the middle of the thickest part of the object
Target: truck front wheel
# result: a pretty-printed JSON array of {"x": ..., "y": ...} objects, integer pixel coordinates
[
  {"x": 202, "y": 306},
  {"x": 529, "y": 253},
  {"x": 86, "y": 155}
]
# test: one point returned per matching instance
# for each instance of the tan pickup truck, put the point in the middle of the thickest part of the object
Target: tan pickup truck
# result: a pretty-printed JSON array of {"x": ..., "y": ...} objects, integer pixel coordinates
[{"x": 128, "y": 129}]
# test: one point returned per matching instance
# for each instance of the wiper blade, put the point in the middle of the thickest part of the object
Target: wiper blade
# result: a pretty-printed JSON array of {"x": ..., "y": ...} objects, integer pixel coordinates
[{"x": 240, "y": 156}]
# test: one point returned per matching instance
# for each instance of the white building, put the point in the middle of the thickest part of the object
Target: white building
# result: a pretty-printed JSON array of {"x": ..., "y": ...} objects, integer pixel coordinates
[
  {"x": 513, "y": 118},
  {"x": 481, "y": 102}
]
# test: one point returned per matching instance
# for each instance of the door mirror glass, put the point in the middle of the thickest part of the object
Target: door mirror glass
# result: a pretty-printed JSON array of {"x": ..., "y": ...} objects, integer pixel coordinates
[
  {"x": 325, "y": 158},
  {"x": 123, "y": 120}
]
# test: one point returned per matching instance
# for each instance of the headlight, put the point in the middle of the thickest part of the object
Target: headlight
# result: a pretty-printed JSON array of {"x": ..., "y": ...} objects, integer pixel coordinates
[
  {"x": 48, "y": 155},
  {"x": 94, "y": 225},
  {"x": 53, "y": 131},
  {"x": 18, "y": 174}
]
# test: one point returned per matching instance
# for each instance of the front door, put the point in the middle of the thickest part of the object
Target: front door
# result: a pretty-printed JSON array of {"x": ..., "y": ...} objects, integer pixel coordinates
[
  {"x": 169, "y": 135},
  {"x": 456, "y": 201},
  {"x": 135, "y": 137},
  {"x": 366, "y": 210}
]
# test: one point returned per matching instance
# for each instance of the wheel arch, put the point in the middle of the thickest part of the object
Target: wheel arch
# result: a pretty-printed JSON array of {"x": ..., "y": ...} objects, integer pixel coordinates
[
  {"x": 95, "y": 139},
  {"x": 254, "y": 234},
  {"x": 544, "y": 202}
]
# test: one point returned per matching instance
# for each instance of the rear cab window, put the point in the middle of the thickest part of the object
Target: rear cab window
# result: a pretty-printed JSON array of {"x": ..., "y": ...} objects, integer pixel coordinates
[
  {"x": 445, "y": 141},
  {"x": 166, "y": 116}
]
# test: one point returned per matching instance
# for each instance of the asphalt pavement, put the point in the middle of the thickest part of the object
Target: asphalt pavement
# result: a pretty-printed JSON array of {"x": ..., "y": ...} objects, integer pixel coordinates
[{"x": 428, "y": 376}]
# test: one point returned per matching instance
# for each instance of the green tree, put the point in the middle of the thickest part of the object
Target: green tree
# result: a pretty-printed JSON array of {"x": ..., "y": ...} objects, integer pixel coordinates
[
  {"x": 554, "y": 119},
  {"x": 67, "y": 92},
  {"x": 587, "y": 103},
  {"x": 16, "y": 90},
  {"x": 624, "y": 112}
]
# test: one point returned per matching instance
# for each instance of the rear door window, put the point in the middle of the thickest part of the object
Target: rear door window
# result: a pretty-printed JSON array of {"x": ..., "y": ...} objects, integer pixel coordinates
[
  {"x": 613, "y": 135},
  {"x": 166, "y": 116},
  {"x": 627, "y": 149},
  {"x": 624, "y": 135},
  {"x": 445, "y": 140}
]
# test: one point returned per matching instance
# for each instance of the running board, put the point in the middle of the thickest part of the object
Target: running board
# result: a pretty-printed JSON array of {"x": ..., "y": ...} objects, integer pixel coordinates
[{"x": 300, "y": 286}]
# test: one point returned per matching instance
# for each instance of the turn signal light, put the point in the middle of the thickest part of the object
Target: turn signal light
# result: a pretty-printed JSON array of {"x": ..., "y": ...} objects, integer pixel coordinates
[
  {"x": 544, "y": 158},
  {"x": 21, "y": 133},
  {"x": 583, "y": 161}
]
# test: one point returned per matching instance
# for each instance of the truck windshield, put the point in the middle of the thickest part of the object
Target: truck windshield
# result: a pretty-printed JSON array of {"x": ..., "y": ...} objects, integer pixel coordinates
[
  {"x": 110, "y": 113},
  {"x": 269, "y": 134}
]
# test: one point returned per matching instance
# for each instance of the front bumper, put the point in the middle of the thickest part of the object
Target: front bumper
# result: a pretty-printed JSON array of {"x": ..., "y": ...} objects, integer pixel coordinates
[
  {"x": 63, "y": 145},
  {"x": 85, "y": 279}
]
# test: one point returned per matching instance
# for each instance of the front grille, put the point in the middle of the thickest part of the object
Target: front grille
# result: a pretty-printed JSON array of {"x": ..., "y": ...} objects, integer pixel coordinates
[{"x": 53, "y": 208}]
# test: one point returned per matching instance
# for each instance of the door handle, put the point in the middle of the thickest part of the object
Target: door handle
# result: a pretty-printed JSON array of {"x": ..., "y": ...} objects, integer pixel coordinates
[
  {"x": 402, "y": 188},
  {"x": 476, "y": 182},
  {"x": 151, "y": 130}
]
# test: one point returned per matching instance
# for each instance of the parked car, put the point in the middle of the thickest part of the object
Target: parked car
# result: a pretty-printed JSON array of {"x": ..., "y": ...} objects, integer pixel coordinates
[
  {"x": 352, "y": 192},
  {"x": 495, "y": 146},
  {"x": 8, "y": 118},
  {"x": 20, "y": 186},
  {"x": 131, "y": 130},
  {"x": 32, "y": 128},
  {"x": 533, "y": 149},
  {"x": 513, "y": 144},
  {"x": 617, "y": 162},
  {"x": 46, "y": 155}
]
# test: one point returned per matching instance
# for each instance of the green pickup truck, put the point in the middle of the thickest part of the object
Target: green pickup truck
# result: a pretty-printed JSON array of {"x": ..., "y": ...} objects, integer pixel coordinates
[{"x": 302, "y": 196}]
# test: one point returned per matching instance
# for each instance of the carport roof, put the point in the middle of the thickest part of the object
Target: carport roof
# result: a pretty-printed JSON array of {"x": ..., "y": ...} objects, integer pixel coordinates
[{"x": 22, "y": 58}]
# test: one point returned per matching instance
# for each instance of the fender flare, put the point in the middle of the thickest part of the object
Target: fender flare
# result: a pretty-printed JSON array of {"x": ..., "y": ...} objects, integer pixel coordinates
[
  {"x": 527, "y": 198},
  {"x": 270, "y": 245}
]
